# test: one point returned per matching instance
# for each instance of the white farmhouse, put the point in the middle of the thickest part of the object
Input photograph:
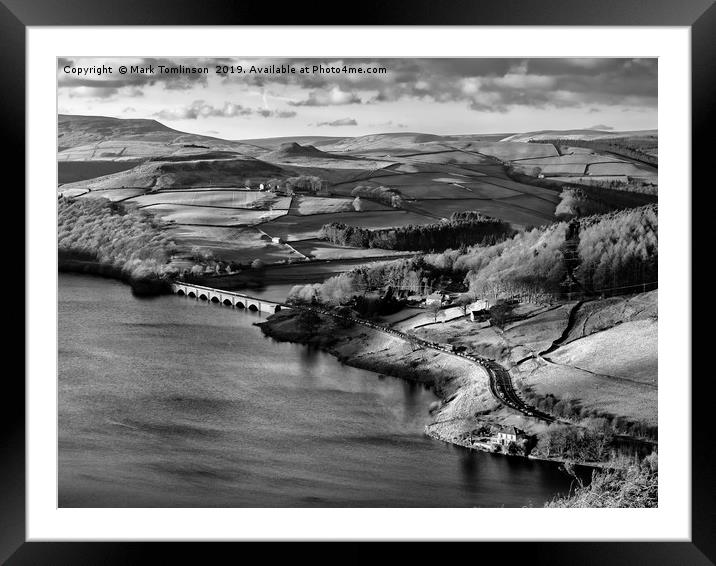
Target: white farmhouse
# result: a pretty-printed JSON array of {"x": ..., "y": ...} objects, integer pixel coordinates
[{"x": 509, "y": 434}]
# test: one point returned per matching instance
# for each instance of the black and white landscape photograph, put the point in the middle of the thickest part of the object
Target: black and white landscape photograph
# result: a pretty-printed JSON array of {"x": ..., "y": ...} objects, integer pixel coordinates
[{"x": 374, "y": 283}]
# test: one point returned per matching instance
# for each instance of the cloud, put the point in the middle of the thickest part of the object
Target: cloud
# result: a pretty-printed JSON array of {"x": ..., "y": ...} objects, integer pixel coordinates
[
  {"x": 201, "y": 109},
  {"x": 266, "y": 113},
  {"x": 93, "y": 92},
  {"x": 128, "y": 110},
  {"x": 600, "y": 127},
  {"x": 481, "y": 84},
  {"x": 104, "y": 92},
  {"x": 340, "y": 122},
  {"x": 331, "y": 97}
]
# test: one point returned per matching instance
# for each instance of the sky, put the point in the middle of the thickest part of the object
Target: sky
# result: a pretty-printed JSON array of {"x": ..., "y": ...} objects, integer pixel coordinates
[{"x": 437, "y": 96}]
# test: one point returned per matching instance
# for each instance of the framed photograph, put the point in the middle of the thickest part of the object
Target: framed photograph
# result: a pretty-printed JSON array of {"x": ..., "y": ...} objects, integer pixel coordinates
[{"x": 397, "y": 280}]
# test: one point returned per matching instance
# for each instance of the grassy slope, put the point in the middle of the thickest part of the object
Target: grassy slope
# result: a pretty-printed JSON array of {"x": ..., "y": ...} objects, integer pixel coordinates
[{"x": 608, "y": 360}]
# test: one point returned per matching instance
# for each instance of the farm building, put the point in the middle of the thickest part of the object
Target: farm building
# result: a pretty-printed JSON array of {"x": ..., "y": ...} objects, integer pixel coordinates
[
  {"x": 510, "y": 434},
  {"x": 480, "y": 304},
  {"x": 482, "y": 315},
  {"x": 277, "y": 240},
  {"x": 281, "y": 188}
]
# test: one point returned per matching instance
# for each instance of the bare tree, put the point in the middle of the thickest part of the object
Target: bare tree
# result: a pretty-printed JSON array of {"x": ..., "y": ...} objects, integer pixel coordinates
[{"x": 434, "y": 309}]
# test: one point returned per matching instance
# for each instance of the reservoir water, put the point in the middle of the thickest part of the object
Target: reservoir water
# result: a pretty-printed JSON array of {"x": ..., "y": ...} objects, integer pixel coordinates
[{"x": 170, "y": 402}]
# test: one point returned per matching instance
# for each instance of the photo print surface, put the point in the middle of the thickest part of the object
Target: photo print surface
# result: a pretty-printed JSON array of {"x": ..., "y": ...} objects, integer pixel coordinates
[{"x": 357, "y": 282}]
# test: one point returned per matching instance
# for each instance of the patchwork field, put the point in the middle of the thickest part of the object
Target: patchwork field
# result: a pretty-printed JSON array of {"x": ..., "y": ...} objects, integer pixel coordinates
[
  {"x": 293, "y": 228},
  {"x": 563, "y": 169},
  {"x": 445, "y": 158},
  {"x": 630, "y": 169},
  {"x": 581, "y": 158},
  {"x": 220, "y": 198},
  {"x": 198, "y": 183},
  {"x": 452, "y": 191},
  {"x": 183, "y": 214},
  {"x": 306, "y": 205},
  {"x": 486, "y": 190},
  {"x": 111, "y": 194},
  {"x": 320, "y": 249},
  {"x": 510, "y": 151},
  {"x": 242, "y": 245}
]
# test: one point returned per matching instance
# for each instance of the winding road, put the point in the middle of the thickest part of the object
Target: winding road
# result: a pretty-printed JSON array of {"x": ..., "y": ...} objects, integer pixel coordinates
[{"x": 500, "y": 381}]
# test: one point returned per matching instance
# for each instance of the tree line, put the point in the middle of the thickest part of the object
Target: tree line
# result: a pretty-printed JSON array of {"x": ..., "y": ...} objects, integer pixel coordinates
[
  {"x": 115, "y": 235},
  {"x": 409, "y": 276},
  {"x": 606, "y": 254},
  {"x": 301, "y": 183},
  {"x": 459, "y": 230},
  {"x": 385, "y": 195}
]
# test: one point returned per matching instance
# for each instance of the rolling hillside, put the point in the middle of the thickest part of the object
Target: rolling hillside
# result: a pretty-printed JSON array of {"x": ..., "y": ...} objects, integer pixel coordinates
[{"x": 201, "y": 183}]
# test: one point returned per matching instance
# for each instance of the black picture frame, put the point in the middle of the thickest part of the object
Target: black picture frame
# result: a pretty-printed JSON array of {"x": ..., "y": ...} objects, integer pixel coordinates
[{"x": 16, "y": 15}]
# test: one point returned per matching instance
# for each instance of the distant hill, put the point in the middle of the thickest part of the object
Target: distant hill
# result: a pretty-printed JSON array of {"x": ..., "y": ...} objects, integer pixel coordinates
[
  {"x": 578, "y": 135},
  {"x": 292, "y": 150},
  {"x": 82, "y": 138},
  {"x": 384, "y": 142},
  {"x": 182, "y": 174},
  {"x": 274, "y": 143},
  {"x": 74, "y": 131}
]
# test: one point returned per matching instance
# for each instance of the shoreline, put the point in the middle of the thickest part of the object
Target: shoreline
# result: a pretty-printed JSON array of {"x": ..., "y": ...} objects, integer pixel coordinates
[
  {"x": 461, "y": 397},
  {"x": 325, "y": 344},
  {"x": 140, "y": 286},
  {"x": 445, "y": 388}
]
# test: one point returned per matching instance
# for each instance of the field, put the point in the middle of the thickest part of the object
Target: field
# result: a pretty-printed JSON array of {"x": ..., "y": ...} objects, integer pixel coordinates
[
  {"x": 211, "y": 216},
  {"x": 629, "y": 169},
  {"x": 199, "y": 183},
  {"x": 594, "y": 179},
  {"x": 581, "y": 158},
  {"x": 305, "y": 205},
  {"x": 111, "y": 194},
  {"x": 319, "y": 249},
  {"x": 624, "y": 382},
  {"x": 605, "y": 394},
  {"x": 228, "y": 173},
  {"x": 219, "y": 198},
  {"x": 293, "y": 228},
  {"x": 72, "y": 171},
  {"x": 632, "y": 348},
  {"x": 242, "y": 245},
  {"x": 444, "y": 158},
  {"x": 588, "y": 134},
  {"x": 445, "y": 191},
  {"x": 510, "y": 151}
]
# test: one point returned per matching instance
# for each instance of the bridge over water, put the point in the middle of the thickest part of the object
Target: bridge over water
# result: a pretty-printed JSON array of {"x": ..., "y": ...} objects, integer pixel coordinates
[{"x": 227, "y": 298}]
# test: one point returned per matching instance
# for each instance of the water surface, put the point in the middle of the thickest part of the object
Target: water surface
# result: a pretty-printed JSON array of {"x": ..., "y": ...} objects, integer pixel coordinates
[{"x": 173, "y": 402}]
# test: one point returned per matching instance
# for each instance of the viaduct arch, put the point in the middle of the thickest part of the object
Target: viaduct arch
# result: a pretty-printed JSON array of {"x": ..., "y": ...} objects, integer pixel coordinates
[{"x": 226, "y": 298}]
